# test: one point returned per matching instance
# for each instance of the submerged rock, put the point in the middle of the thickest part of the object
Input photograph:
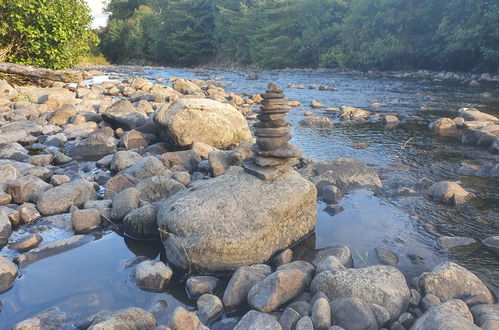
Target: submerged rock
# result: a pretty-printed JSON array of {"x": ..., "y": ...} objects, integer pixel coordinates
[
  {"x": 448, "y": 192},
  {"x": 236, "y": 219},
  {"x": 128, "y": 318},
  {"x": 202, "y": 120},
  {"x": 50, "y": 319},
  {"x": 317, "y": 122}
]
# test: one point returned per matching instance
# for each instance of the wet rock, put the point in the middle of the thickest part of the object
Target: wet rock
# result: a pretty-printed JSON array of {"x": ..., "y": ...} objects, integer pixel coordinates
[
  {"x": 451, "y": 281},
  {"x": 57, "y": 180},
  {"x": 486, "y": 316},
  {"x": 305, "y": 323},
  {"x": 142, "y": 223},
  {"x": 26, "y": 243},
  {"x": 471, "y": 114},
  {"x": 119, "y": 183},
  {"x": 451, "y": 315},
  {"x": 492, "y": 242},
  {"x": 8, "y": 274},
  {"x": 209, "y": 308},
  {"x": 84, "y": 220},
  {"x": 128, "y": 318},
  {"x": 123, "y": 160},
  {"x": 352, "y": 313},
  {"x": 316, "y": 105},
  {"x": 289, "y": 318},
  {"x": 387, "y": 257},
  {"x": 51, "y": 249},
  {"x": 157, "y": 188},
  {"x": 152, "y": 275},
  {"x": 443, "y": 124},
  {"x": 222, "y": 124},
  {"x": 382, "y": 285},
  {"x": 188, "y": 159},
  {"x": 448, "y": 192},
  {"x": 429, "y": 301},
  {"x": 59, "y": 199},
  {"x": 124, "y": 202},
  {"x": 199, "y": 285},
  {"x": 241, "y": 282},
  {"x": 277, "y": 289},
  {"x": 448, "y": 242},
  {"x": 5, "y": 229},
  {"x": 182, "y": 177},
  {"x": 96, "y": 145},
  {"x": 182, "y": 319},
  {"x": 26, "y": 189},
  {"x": 287, "y": 214},
  {"x": 321, "y": 314},
  {"x": 317, "y": 122},
  {"x": 146, "y": 168},
  {"x": 330, "y": 263},
  {"x": 254, "y": 320},
  {"x": 50, "y": 319},
  {"x": 122, "y": 114},
  {"x": 331, "y": 194},
  {"x": 28, "y": 213},
  {"x": 342, "y": 252},
  {"x": 390, "y": 120},
  {"x": 351, "y": 113},
  {"x": 344, "y": 173}
]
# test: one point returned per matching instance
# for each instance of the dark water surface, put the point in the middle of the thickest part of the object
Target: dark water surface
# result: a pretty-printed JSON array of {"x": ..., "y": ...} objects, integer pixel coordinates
[{"x": 92, "y": 277}]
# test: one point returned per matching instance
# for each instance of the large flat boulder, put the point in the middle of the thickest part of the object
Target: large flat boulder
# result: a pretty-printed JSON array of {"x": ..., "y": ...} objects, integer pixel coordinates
[
  {"x": 236, "y": 219},
  {"x": 202, "y": 120}
]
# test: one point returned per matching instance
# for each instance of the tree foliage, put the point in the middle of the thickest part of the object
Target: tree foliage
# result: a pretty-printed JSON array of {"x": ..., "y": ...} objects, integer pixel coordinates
[
  {"x": 45, "y": 33},
  {"x": 385, "y": 34}
]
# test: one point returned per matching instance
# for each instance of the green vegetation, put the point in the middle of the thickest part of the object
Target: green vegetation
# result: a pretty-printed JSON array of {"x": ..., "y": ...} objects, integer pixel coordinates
[
  {"x": 384, "y": 34},
  {"x": 45, "y": 33}
]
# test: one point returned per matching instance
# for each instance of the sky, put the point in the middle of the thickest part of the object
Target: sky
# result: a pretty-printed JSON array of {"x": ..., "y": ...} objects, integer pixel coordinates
[{"x": 97, "y": 8}]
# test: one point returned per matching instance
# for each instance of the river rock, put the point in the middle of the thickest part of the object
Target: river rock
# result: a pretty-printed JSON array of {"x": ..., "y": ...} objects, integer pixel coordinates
[
  {"x": 451, "y": 315},
  {"x": 119, "y": 183},
  {"x": 122, "y": 114},
  {"x": 7, "y": 91},
  {"x": 254, "y": 320},
  {"x": 123, "y": 160},
  {"x": 5, "y": 229},
  {"x": 486, "y": 316},
  {"x": 152, "y": 275},
  {"x": 26, "y": 189},
  {"x": 142, "y": 223},
  {"x": 62, "y": 115},
  {"x": 241, "y": 282},
  {"x": 220, "y": 161},
  {"x": 209, "y": 308},
  {"x": 448, "y": 242},
  {"x": 51, "y": 249},
  {"x": 183, "y": 177},
  {"x": 305, "y": 323},
  {"x": 330, "y": 263},
  {"x": 345, "y": 173},
  {"x": 26, "y": 243},
  {"x": 185, "y": 86},
  {"x": 124, "y": 202},
  {"x": 448, "y": 192},
  {"x": 390, "y": 120},
  {"x": 84, "y": 220},
  {"x": 307, "y": 268},
  {"x": 157, "y": 188},
  {"x": 146, "y": 168},
  {"x": 353, "y": 313},
  {"x": 28, "y": 213},
  {"x": 289, "y": 318},
  {"x": 8, "y": 274},
  {"x": 382, "y": 285},
  {"x": 202, "y": 149},
  {"x": 238, "y": 220},
  {"x": 199, "y": 285},
  {"x": 492, "y": 242},
  {"x": 387, "y": 257},
  {"x": 351, "y": 113},
  {"x": 317, "y": 122},
  {"x": 57, "y": 180},
  {"x": 128, "y": 318},
  {"x": 96, "y": 145},
  {"x": 321, "y": 314},
  {"x": 451, "y": 281},
  {"x": 342, "y": 252},
  {"x": 182, "y": 319},
  {"x": 443, "y": 124},
  {"x": 50, "y": 319},
  {"x": 187, "y": 159},
  {"x": 476, "y": 115},
  {"x": 59, "y": 199},
  {"x": 134, "y": 140},
  {"x": 277, "y": 289},
  {"x": 222, "y": 125}
]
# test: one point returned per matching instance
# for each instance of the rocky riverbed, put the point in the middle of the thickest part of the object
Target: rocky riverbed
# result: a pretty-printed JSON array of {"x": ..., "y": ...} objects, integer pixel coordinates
[{"x": 124, "y": 203}]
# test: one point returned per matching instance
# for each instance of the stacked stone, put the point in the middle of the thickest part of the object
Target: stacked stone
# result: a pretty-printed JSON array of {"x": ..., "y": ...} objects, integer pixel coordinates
[{"x": 273, "y": 155}]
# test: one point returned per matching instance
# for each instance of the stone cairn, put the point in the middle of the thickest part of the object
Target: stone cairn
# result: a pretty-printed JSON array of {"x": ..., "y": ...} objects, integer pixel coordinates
[{"x": 273, "y": 155}]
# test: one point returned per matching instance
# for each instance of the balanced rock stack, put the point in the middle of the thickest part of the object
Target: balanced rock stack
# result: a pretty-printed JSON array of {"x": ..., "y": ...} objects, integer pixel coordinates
[{"x": 273, "y": 155}]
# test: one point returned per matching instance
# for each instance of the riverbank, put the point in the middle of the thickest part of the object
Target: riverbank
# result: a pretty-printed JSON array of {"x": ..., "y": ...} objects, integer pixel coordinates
[{"x": 91, "y": 136}]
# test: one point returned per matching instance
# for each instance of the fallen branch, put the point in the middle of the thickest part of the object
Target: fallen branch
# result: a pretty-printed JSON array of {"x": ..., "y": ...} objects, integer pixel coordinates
[{"x": 38, "y": 73}]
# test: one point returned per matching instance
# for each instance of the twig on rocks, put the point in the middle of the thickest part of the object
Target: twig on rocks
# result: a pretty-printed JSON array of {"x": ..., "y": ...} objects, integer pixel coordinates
[{"x": 405, "y": 145}]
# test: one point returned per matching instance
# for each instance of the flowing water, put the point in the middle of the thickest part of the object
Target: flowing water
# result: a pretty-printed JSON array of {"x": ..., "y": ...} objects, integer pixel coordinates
[{"x": 96, "y": 276}]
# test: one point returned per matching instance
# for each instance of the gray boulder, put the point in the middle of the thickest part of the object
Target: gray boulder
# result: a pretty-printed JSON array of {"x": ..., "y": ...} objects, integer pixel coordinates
[
  {"x": 202, "y": 120},
  {"x": 209, "y": 308},
  {"x": 187, "y": 159},
  {"x": 451, "y": 315},
  {"x": 486, "y": 316},
  {"x": 142, "y": 223},
  {"x": 8, "y": 274},
  {"x": 317, "y": 122},
  {"x": 345, "y": 173},
  {"x": 95, "y": 146},
  {"x": 147, "y": 167},
  {"x": 451, "y": 281},
  {"x": 156, "y": 188},
  {"x": 124, "y": 202},
  {"x": 254, "y": 320},
  {"x": 123, "y": 160},
  {"x": 152, "y": 275},
  {"x": 200, "y": 285},
  {"x": 26, "y": 189},
  {"x": 183, "y": 319},
  {"x": 382, "y": 285},
  {"x": 236, "y": 219},
  {"x": 122, "y": 114},
  {"x": 353, "y": 313},
  {"x": 59, "y": 199},
  {"x": 241, "y": 282},
  {"x": 321, "y": 314}
]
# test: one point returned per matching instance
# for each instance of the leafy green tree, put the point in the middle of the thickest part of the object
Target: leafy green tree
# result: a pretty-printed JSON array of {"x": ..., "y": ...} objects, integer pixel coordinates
[{"x": 45, "y": 33}]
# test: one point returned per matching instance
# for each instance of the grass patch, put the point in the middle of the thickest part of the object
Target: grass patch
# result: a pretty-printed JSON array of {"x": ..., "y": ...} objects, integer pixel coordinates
[{"x": 93, "y": 60}]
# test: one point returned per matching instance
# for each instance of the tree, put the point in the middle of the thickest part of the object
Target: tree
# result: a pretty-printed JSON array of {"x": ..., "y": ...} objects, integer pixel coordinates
[{"x": 45, "y": 33}]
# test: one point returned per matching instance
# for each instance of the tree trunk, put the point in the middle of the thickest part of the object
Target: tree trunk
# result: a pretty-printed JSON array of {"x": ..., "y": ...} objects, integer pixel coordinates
[{"x": 33, "y": 72}]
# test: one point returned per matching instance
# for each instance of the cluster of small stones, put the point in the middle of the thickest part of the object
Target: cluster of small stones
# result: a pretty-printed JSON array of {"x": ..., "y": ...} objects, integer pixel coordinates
[{"x": 273, "y": 154}]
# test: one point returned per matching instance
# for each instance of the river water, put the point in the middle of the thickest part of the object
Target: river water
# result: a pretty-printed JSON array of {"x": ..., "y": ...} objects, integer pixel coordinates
[{"x": 95, "y": 276}]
